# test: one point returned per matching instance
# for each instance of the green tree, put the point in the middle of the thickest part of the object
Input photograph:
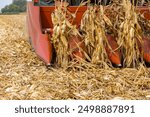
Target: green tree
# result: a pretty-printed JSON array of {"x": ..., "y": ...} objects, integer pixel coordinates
[{"x": 16, "y": 7}]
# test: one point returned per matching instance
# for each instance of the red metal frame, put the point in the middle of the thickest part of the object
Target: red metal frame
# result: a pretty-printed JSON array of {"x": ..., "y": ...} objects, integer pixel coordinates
[
  {"x": 40, "y": 41},
  {"x": 36, "y": 1},
  {"x": 146, "y": 11}
]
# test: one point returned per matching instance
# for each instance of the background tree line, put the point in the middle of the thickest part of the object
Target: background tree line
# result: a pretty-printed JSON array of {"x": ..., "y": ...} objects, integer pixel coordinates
[{"x": 17, "y": 6}]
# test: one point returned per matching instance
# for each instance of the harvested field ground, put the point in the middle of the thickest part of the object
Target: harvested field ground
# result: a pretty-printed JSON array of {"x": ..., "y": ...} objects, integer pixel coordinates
[{"x": 24, "y": 76}]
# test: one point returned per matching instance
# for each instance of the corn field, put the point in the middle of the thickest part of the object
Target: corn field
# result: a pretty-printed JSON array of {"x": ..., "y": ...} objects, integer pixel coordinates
[{"x": 24, "y": 76}]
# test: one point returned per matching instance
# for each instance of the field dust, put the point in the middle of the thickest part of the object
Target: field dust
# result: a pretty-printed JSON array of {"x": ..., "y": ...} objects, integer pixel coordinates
[{"x": 24, "y": 76}]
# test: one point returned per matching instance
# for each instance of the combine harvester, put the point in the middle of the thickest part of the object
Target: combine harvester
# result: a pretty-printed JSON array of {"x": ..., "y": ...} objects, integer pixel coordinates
[{"x": 39, "y": 23}]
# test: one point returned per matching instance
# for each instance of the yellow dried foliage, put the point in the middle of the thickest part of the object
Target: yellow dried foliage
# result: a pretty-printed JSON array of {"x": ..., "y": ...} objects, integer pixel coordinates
[
  {"x": 63, "y": 29},
  {"x": 93, "y": 24}
]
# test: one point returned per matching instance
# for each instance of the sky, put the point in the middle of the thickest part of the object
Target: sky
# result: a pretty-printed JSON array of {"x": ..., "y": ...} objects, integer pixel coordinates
[{"x": 3, "y": 3}]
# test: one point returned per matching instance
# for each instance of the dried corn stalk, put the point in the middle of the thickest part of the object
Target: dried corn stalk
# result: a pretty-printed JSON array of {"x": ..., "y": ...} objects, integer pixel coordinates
[
  {"x": 93, "y": 24},
  {"x": 62, "y": 30},
  {"x": 129, "y": 33}
]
